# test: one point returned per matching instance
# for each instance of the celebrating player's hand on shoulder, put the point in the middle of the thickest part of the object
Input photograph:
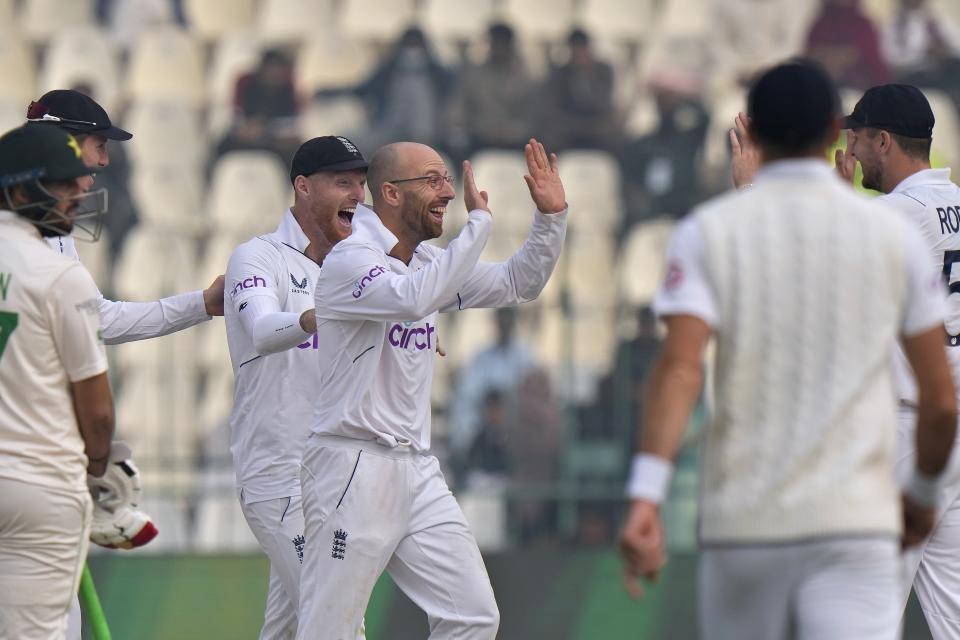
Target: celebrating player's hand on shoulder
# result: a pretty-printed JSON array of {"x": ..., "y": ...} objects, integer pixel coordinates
[
  {"x": 472, "y": 196},
  {"x": 746, "y": 156},
  {"x": 641, "y": 545},
  {"x": 543, "y": 179}
]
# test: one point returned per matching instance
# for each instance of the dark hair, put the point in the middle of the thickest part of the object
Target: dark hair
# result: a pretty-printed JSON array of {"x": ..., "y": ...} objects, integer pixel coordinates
[
  {"x": 918, "y": 148},
  {"x": 500, "y": 30},
  {"x": 578, "y": 37},
  {"x": 793, "y": 106}
]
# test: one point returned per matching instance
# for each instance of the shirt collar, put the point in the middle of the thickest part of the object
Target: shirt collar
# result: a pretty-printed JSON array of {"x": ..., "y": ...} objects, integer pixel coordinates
[
  {"x": 367, "y": 226},
  {"x": 809, "y": 168},
  {"x": 290, "y": 232},
  {"x": 12, "y": 218},
  {"x": 924, "y": 178}
]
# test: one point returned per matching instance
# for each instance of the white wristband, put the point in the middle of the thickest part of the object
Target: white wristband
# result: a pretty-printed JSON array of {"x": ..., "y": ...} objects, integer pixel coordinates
[
  {"x": 923, "y": 489},
  {"x": 649, "y": 478}
]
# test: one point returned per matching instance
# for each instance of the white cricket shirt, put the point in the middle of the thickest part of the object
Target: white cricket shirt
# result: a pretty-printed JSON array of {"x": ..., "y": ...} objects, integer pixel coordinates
[
  {"x": 931, "y": 202},
  {"x": 807, "y": 286},
  {"x": 377, "y": 319},
  {"x": 269, "y": 283},
  {"x": 128, "y": 321},
  {"x": 49, "y": 337}
]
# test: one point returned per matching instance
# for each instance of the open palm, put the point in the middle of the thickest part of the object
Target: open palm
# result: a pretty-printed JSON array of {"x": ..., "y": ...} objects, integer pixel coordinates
[{"x": 543, "y": 179}]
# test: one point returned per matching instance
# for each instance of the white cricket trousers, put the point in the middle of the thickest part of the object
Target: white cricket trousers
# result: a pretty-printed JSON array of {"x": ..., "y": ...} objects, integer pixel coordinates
[
  {"x": 830, "y": 589},
  {"x": 44, "y": 536},
  {"x": 278, "y": 527},
  {"x": 933, "y": 568},
  {"x": 369, "y": 507}
]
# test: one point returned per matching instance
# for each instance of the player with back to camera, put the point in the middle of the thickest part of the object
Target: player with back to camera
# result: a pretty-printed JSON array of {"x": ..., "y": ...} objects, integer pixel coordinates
[
  {"x": 271, "y": 328},
  {"x": 806, "y": 285},
  {"x": 373, "y": 496},
  {"x": 56, "y": 408}
]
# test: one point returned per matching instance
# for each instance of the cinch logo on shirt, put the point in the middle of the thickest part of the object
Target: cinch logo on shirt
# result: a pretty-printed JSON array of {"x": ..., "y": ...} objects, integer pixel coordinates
[
  {"x": 309, "y": 344},
  {"x": 420, "y": 337},
  {"x": 367, "y": 279},
  {"x": 248, "y": 283}
]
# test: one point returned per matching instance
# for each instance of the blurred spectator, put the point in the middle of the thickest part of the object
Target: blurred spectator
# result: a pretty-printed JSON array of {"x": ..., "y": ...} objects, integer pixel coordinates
[
  {"x": 617, "y": 409},
  {"x": 660, "y": 173},
  {"x": 265, "y": 109},
  {"x": 923, "y": 48},
  {"x": 407, "y": 94},
  {"x": 845, "y": 41},
  {"x": 500, "y": 367},
  {"x": 750, "y": 35},
  {"x": 494, "y": 104},
  {"x": 578, "y": 106}
]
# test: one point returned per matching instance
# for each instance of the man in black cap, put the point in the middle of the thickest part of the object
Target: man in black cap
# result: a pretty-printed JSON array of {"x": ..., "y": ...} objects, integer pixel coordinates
[
  {"x": 271, "y": 334},
  {"x": 56, "y": 408},
  {"x": 122, "y": 321},
  {"x": 805, "y": 285},
  {"x": 890, "y": 133}
]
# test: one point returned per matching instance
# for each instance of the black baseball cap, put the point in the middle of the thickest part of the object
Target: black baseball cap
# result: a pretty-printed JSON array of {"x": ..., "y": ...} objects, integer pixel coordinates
[
  {"x": 793, "y": 105},
  {"x": 897, "y": 108},
  {"x": 36, "y": 152},
  {"x": 75, "y": 112},
  {"x": 326, "y": 153}
]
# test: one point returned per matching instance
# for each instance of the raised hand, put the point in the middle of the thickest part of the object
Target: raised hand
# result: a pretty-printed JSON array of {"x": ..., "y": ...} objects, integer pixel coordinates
[
  {"x": 473, "y": 197},
  {"x": 845, "y": 160},
  {"x": 543, "y": 179},
  {"x": 746, "y": 156}
]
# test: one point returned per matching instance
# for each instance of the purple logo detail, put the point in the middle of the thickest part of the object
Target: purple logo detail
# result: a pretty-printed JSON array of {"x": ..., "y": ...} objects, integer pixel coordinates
[
  {"x": 248, "y": 283},
  {"x": 367, "y": 279},
  {"x": 403, "y": 337},
  {"x": 309, "y": 344}
]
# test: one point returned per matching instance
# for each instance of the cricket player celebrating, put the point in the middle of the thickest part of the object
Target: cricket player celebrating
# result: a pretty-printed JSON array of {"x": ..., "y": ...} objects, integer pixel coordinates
[
  {"x": 806, "y": 286},
  {"x": 56, "y": 409},
  {"x": 373, "y": 497},
  {"x": 890, "y": 133},
  {"x": 270, "y": 331}
]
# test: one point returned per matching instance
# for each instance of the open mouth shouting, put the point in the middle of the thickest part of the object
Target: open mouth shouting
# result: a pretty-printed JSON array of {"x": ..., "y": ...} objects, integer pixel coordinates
[{"x": 345, "y": 217}]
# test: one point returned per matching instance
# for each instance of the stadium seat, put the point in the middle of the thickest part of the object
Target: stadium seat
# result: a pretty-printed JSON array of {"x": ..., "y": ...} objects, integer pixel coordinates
[
  {"x": 7, "y": 15},
  {"x": 332, "y": 63},
  {"x": 41, "y": 20},
  {"x": 462, "y": 20},
  {"x": 154, "y": 263},
  {"x": 167, "y": 134},
  {"x": 684, "y": 19},
  {"x": 248, "y": 191},
  {"x": 18, "y": 71},
  {"x": 539, "y": 19},
  {"x": 83, "y": 56},
  {"x": 486, "y": 513},
  {"x": 216, "y": 399},
  {"x": 577, "y": 349},
  {"x": 220, "y": 525},
  {"x": 468, "y": 333},
  {"x": 946, "y": 131},
  {"x": 210, "y": 19},
  {"x": 166, "y": 64},
  {"x": 169, "y": 198},
  {"x": 292, "y": 22},
  {"x": 591, "y": 180},
  {"x": 723, "y": 110},
  {"x": 376, "y": 20},
  {"x": 329, "y": 116},
  {"x": 234, "y": 54},
  {"x": 618, "y": 19},
  {"x": 640, "y": 265},
  {"x": 642, "y": 116},
  {"x": 949, "y": 9},
  {"x": 13, "y": 110},
  {"x": 586, "y": 271},
  {"x": 500, "y": 173},
  {"x": 881, "y": 11},
  {"x": 95, "y": 256}
]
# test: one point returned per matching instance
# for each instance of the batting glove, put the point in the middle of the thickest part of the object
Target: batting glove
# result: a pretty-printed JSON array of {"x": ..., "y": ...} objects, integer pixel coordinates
[{"x": 117, "y": 521}]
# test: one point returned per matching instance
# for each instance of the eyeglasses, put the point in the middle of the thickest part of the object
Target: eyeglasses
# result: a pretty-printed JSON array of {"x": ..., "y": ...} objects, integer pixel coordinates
[{"x": 436, "y": 182}]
